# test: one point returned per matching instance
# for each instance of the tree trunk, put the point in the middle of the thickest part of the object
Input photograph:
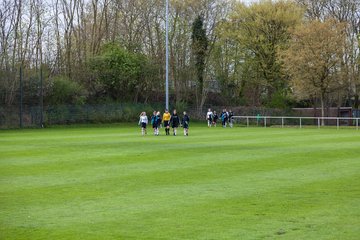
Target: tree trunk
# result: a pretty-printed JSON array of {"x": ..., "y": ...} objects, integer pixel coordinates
[
  {"x": 356, "y": 101},
  {"x": 203, "y": 99}
]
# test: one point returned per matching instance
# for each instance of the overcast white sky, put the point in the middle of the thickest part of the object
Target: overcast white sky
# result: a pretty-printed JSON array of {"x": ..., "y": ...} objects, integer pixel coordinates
[{"x": 249, "y": 1}]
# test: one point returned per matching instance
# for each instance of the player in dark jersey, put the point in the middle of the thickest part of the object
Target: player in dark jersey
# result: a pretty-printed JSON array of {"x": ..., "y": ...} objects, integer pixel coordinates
[
  {"x": 154, "y": 122},
  {"x": 158, "y": 124},
  {"x": 175, "y": 121},
  {"x": 224, "y": 117},
  {"x": 185, "y": 123},
  {"x": 216, "y": 117}
]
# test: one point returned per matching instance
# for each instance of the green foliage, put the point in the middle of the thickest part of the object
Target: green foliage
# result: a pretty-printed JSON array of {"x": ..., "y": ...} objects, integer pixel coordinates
[
  {"x": 260, "y": 30},
  {"x": 199, "y": 49},
  {"x": 280, "y": 100},
  {"x": 224, "y": 55},
  {"x": 199, "y": 46},
  {"x": 66, "y": 91},
  {"x": 181, "y": 106},
  {"x": 122, "y": 74},
  {"x": 115, "y": 49}
]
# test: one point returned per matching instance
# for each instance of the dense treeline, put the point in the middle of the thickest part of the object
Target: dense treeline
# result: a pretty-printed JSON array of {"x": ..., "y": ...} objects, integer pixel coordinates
[{"x": 272, "y": 53}]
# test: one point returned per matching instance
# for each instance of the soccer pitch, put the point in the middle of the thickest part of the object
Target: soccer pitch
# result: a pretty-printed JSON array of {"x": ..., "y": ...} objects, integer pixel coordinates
[{"x": 242, "y": 183}]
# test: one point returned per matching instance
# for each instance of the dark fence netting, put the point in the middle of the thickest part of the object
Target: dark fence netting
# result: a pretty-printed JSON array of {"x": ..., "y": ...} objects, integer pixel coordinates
[
  {"x": 102, "y": 113},
  {"x": 26, "y": 115},
  {"x": 34, "y": 116}
]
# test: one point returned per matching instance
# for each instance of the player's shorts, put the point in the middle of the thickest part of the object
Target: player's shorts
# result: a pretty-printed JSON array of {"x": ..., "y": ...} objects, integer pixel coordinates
[
  {"x": 186, "y": 126},
  {"x": 143, "y": 125},
  {"x": 166, "y": 123},
  {"x": 175, "y": 125}
]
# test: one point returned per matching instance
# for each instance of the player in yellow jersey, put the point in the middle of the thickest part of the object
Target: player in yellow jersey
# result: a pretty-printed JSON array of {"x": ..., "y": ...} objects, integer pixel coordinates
[{"x": 166, "y": 121}]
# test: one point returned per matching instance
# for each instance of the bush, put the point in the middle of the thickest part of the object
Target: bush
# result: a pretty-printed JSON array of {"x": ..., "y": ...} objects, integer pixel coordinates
[
  {"x": 181, "y": 106},
  {"x": 66, "y": 91}
]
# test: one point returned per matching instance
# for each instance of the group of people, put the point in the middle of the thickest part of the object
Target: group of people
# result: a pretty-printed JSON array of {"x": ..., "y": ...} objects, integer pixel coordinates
[
  {"x": 167, "y": 120},
  {"x": 225, "y": 116},
  {"x": 173, "y": 120}
]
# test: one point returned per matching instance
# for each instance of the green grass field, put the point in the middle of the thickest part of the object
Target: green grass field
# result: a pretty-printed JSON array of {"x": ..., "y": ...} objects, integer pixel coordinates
[{"x": 108, "y": 182}]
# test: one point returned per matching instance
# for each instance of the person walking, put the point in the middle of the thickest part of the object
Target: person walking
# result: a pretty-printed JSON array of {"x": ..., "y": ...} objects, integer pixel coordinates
[
  {"x": 166, "y": 120},
  {"x": 209, "y": 117},
  {"x": 158, "y": 123},
  {"x": 185, "y": 123},
  {"x": 216, "y": 117},
  {"x": 175, "y": 121},
  {"x": 224, "y": 117},
  {"x": 143, "y": 121},
  {"x": 154, "y": 122}
]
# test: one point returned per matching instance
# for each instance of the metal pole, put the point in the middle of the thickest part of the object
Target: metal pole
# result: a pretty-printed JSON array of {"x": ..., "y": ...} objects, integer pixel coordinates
[
  {"x": 167, "y": 55},
  {"x": 318, "y": 122},
  {"x": 282, "y": 122},
  {"x": 41, "y": 99},
  {"x": 247, "y": 121},
  {"x": 300, "y": 123},
  {"x": 337, "y": 123},
  {"x": 357, "y": 124},
  {"x": 21, "y": 97}
]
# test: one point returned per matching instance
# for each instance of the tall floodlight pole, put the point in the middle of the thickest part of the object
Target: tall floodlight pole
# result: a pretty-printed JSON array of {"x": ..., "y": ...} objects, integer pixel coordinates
[
  {"x": 41, "y": 98},
  {"x": 21, "y": 97},
  {"x": 167, "y": 54}
]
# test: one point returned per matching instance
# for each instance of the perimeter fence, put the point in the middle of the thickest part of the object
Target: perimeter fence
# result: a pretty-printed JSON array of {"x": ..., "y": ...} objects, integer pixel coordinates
[
  {"x": 301, "y": 122},
  {"x": 35, "y": 115},
  {"x": 42, "y": 116}
]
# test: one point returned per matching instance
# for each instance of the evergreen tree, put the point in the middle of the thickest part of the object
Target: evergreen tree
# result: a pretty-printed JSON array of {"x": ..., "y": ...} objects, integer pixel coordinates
[{"x": 199, "y": 49}]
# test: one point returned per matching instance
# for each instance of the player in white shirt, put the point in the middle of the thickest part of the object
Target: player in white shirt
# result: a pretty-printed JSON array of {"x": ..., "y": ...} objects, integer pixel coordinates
[
  {"x": 209, "y": 117},
  {"x": 143, "y": 121}
]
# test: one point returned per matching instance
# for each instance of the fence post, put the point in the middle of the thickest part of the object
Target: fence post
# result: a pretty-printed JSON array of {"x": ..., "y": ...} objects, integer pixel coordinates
[
  {"x": 247, "y": 121},
  {"x": 300, "y": 123},
  {"x": 282, "y": 122},
  {"x": 357, "y": 124},
  {"x": 265, "y": 121},
  {"x": 337, "y": 123},
  {"x": 318, "y": 122}
]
